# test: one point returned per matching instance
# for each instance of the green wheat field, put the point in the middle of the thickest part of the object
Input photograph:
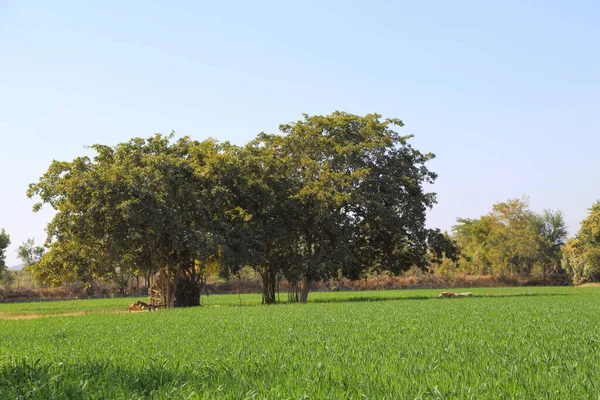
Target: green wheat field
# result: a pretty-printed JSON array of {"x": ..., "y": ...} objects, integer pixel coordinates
[{"x": 502, "y": 343}]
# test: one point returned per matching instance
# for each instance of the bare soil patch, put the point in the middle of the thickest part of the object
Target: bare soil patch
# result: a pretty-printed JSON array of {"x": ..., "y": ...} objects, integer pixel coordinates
[{"x": 34, "y": 316}]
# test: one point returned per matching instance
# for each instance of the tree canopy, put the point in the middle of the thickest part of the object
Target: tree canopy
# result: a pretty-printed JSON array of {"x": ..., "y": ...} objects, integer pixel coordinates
[
  {"x": 330, "y": 196},
  {"x": 326, "y": 195},
  {"x": 581, "y": 255},
  {"x": 511, "y": 240},
  {"x": 4, "y": 243}
]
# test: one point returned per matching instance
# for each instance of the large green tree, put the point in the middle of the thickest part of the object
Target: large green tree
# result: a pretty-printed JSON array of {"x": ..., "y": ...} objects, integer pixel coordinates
[
  {"x": 516, "y": 245},
  {"x": 360, "y": 195},
  {"x": 262, "y": 235},
  {"x": 144, "y": 204}
]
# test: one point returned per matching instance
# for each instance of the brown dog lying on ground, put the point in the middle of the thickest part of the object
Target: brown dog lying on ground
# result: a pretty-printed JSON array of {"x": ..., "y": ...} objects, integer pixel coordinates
[
  {"x": 450, "y": 294},
  {"x": 140, "y": 306}
]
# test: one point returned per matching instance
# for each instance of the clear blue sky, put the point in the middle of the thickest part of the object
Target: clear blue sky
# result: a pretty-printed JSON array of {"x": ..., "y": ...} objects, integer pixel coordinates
[{"x": 507, "y": 94}]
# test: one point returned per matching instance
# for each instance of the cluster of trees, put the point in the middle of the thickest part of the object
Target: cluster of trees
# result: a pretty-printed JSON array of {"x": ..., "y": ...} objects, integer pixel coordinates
[
  {"x": 328, "y": 196},
  {"x": 511, "y": 240}
]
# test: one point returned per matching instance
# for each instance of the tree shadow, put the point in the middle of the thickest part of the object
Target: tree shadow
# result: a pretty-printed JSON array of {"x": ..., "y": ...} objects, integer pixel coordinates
[
  {"x": 395, "y": 298},
  {"x": 501, "y": 295},
  {"x": 369, "y": 299}
]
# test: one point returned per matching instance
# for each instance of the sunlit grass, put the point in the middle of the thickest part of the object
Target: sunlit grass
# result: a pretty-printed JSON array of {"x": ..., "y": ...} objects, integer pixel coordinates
[{"x": 532, "y": 343}]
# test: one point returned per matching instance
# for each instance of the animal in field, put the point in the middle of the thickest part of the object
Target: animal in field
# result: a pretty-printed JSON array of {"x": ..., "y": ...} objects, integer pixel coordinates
[
  {"x": 451, "y": 294},
  {"x": 141, "y": 306}
]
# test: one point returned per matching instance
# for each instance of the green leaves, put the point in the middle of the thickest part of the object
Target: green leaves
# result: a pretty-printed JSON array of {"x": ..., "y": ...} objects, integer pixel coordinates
[
  {"x": 137, "y": 205},
  {"x": 581, "y": 256},
  {"x": 575, "y": 263},
  {"x": 589, "y": 233},
  {"x": 4, "y": 243},
  {"x": 359, "y": 188},
  {"x": 331, "y": 193},
  {"x": 511, "y": 240}
]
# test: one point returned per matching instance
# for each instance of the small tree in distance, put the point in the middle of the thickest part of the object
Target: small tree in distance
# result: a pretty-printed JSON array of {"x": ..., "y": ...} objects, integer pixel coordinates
[
  {"x": 29, "y": 253},
  {"x": 4, "y": 243}
]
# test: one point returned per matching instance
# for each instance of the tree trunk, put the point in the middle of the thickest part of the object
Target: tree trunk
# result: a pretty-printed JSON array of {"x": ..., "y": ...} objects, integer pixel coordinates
[
  {"x": 172, "y": 282},
  {"x": 306, "y": 283},
  {"x": 170, "y": 293},
  {"x": 293, "y": 292},
  {"x": 269, "y": 287},
  {"x": 147, "y": 281},
  {"x": 237, "y": 290},
  {"x": 187, "y": 292},
  {"x": 544, "y": 274}
]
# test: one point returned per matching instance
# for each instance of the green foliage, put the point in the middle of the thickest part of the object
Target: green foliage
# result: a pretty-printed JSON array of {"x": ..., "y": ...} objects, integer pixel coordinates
[
  {"x": 419, "y": 347},
  {"x": 360, "y": 198},
  {"x": 263, "y": 220},
  {"x": 589, "y": 233},
  {"x": 442, "y": 245},
  {"x": 8, "y": 278},
  {"x": 511, "y": 240},
  {"x": 575, "y": 263},
  {"x": 582, "y": 255},
  {"x": 516, "y": 244},
  {"x": 476, "y": 238},
  {"x": 31, "y": 255},
  {"x": 141, "y": 206},
  {"x": 4, "y": 243},
  {"x": 552, "y": 233},
  {"x": 331, "y": 193}
]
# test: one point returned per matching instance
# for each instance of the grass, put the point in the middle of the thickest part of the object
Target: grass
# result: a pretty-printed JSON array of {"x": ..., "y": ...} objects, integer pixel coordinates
[
  {"x": 518, "y": 343},
  {"x": 379, "y": 295}
]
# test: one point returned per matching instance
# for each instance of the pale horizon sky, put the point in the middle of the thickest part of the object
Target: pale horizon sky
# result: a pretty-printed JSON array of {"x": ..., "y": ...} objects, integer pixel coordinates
[{"x": 506, "y": 94}]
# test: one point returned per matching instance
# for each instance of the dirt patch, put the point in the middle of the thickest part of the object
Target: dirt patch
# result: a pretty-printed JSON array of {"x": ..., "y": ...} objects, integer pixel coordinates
[
  {"x": 595, "y": 284},
  {"x": 34, "y": 316}
]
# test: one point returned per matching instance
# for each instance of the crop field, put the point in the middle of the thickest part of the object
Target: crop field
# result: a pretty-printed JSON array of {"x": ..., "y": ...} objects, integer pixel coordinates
[{"x": 515, "y": 343}]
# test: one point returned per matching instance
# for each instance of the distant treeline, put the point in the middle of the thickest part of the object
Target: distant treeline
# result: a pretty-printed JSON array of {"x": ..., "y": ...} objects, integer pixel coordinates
[{"x": 514, "y": 241}]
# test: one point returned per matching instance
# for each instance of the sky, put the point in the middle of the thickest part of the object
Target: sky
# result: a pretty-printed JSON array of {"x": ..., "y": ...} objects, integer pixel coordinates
[{"x": 506, "y": 94}]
